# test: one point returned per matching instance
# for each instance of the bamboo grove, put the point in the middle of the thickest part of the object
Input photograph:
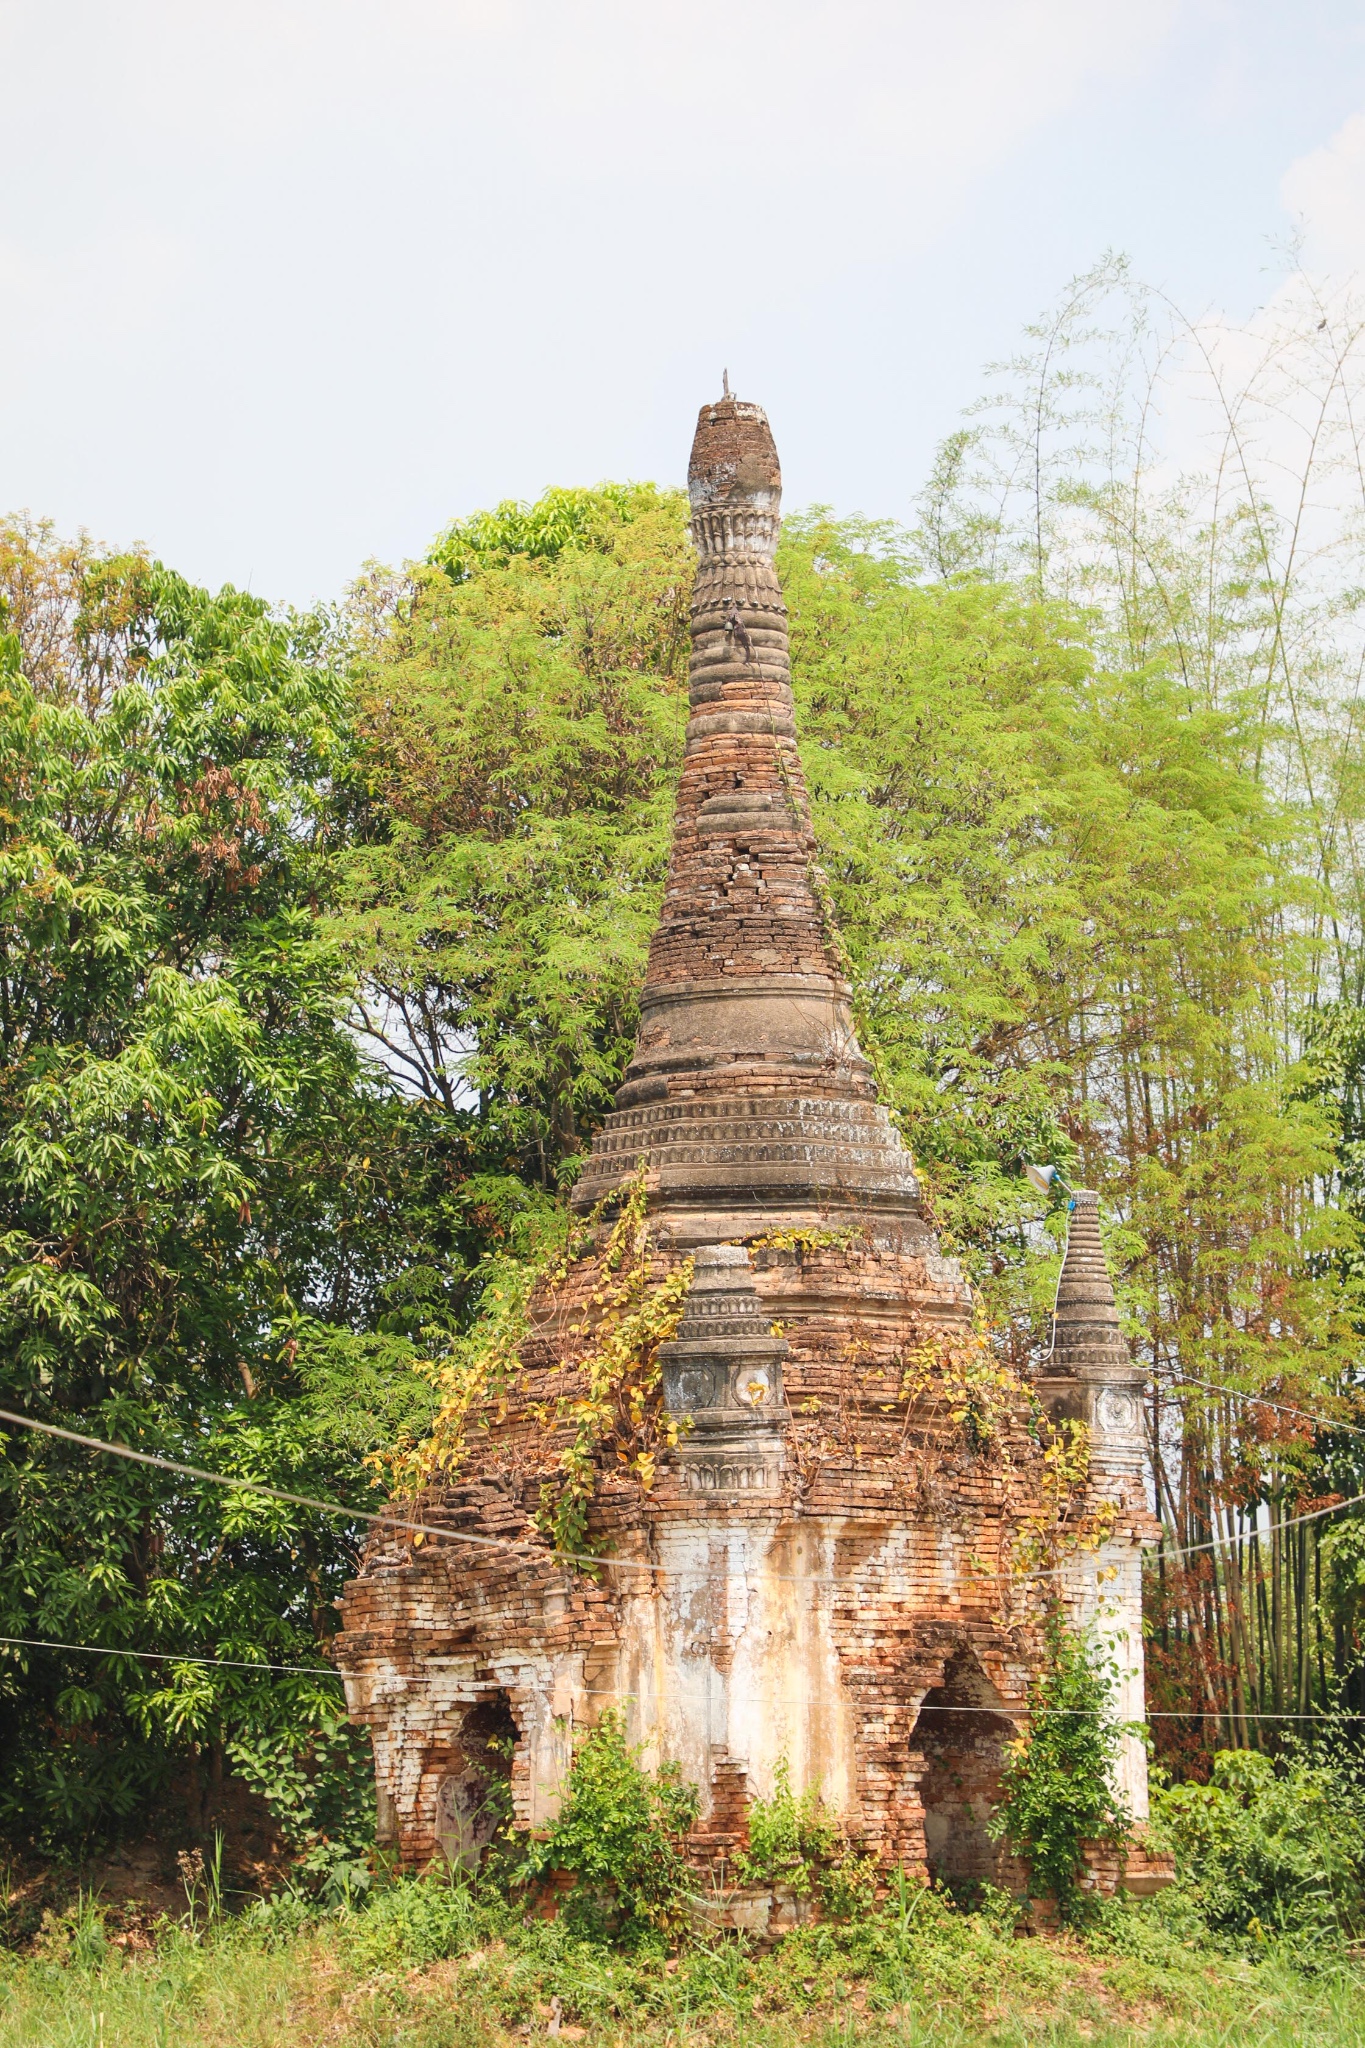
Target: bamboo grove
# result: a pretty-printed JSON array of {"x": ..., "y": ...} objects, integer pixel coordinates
[
  {"x": 320, "y": 937},
  {"x": 1197, "y": 491}
]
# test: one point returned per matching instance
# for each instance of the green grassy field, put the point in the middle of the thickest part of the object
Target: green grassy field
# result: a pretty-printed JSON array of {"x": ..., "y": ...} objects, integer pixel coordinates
[{"x": 427, "y": 1966}]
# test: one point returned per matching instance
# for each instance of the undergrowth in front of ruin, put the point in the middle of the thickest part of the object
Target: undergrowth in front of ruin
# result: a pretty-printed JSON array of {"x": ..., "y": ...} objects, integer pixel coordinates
[
  {"x": 436, "y": 1963},
  {"x": 601, "y": 1930}
]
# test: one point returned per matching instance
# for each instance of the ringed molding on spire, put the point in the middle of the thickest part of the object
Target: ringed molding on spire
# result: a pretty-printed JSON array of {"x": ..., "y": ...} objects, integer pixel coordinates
[
  {"x": 1089, "y": 1339},
  {"x": 1091, "y": 1374},
  {"x": 748, "y": 1092}
]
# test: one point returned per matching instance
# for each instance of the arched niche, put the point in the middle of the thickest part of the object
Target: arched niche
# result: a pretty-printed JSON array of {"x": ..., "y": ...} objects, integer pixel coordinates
[
  {"x": 474, "y": 1795},
  {"x": 958, "y": 1741}
]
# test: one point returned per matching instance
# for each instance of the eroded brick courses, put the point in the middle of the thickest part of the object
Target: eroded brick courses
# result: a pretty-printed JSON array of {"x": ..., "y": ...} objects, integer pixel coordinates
[{"x": 748, "y": 1091}]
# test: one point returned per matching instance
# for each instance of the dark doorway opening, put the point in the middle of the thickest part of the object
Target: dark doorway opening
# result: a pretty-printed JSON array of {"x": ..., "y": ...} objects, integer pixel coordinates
[
  {"x": 474, "y": 1798},
  {"x": 959, "y": 1743}
]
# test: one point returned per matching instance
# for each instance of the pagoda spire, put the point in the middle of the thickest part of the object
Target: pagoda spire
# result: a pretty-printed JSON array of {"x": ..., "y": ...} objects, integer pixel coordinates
[
  {"x": 748, "y": 1091},
  {"x": 1090, "y": 1374}
]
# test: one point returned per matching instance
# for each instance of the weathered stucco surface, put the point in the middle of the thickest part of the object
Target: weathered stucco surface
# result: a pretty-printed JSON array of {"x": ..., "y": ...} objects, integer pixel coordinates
[{"x": 826, "y": 1571}]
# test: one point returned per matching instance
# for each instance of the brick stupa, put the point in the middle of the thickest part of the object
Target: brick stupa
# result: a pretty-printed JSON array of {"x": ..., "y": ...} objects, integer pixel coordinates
[
  {"x": 748, "y": 1094},
  {"x": 825, "y": 1572}
]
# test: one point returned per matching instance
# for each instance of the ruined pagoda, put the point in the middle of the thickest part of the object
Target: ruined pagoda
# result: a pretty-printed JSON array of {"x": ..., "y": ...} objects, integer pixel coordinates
[{"x": 830, "y": 1569}]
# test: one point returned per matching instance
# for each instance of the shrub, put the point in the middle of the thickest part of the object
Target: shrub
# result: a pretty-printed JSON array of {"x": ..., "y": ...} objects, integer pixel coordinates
[
  {"x": 795, "y": 1840},
  {"x": 790, "y": 1836},
  {"x": 1059, "y": 1785},
  {"x": 1266, "y": 1848},
  {"x": 617, "y": 1833}
]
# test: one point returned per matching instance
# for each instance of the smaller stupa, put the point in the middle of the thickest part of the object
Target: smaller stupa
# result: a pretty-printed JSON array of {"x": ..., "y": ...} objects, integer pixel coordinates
[{"x": 1090, "y": 1377}]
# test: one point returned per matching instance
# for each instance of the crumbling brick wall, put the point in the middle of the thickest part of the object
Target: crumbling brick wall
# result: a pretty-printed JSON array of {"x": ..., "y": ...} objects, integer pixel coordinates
[{"x": 892, "y": 1531}]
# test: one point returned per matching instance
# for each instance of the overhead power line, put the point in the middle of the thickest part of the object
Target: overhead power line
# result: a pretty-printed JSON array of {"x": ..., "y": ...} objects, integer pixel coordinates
[
  {"x": 1003, "y": 1712},
  {"x": 1263, "y": 1401},
  {"x": 523, "y": 1552},
  {"x": 297, "y": 1500},
  {"x": 172, "y": 1657}
]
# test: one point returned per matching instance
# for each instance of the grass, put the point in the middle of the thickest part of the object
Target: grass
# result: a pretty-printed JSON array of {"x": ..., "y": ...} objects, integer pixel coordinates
[{"x": 427, "y": 1965}]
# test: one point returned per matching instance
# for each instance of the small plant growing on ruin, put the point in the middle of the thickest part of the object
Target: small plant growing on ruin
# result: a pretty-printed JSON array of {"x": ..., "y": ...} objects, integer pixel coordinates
[
  {"x": 790, "y": 1836},
  {"x": 618, "y": 1834},
  {"x": 1065, "y": 1517},
  {"x": 983, "y": 1395},
  {"x": 475, "y": 1369},
  {"x": 980, "y": 1390},
  {"x": 806, "y": 1240},
  {"x": 795, "y": 1840},
  {"x": 619, "y": 1415},
  {"x": 1060, "y": 1785}
]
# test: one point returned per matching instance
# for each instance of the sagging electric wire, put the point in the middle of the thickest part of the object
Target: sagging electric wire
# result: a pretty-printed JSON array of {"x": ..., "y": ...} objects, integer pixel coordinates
[
  {"x": 1261, "y": 1401},
  {"x": 1004, "y": 1711},
  {"x": 523, "y": 1552}
]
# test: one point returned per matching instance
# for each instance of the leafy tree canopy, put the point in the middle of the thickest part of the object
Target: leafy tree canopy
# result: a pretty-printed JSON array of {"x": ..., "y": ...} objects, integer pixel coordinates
[{"x": 197, "y": 1178}]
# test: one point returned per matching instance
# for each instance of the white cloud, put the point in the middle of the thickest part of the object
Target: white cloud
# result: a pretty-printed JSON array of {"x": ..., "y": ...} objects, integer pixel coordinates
[{"x": 1326, "y": 190}]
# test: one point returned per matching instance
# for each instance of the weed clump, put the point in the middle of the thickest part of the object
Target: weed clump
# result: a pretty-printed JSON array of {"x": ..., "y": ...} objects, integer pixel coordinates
[
  {"x": 794, "y": 1840},
  {"x": 1270, "y": 1851},
  {"x": 618, "y": 1837}
]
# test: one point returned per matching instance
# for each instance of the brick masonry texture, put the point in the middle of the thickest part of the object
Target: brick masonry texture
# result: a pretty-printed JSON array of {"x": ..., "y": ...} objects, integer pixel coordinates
[
  {"x": 825, "y": 1571},
  {"x": 748, "y": 1094}
]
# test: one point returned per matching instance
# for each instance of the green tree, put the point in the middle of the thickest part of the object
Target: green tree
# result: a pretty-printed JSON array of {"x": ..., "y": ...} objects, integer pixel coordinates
[
  {"x": 198, "y": 1177},
  {"x": 520, "y": 731}
]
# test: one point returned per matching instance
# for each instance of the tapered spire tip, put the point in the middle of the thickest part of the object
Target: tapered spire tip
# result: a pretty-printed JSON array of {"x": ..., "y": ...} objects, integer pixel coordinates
[{"x": 734, "y": 463}]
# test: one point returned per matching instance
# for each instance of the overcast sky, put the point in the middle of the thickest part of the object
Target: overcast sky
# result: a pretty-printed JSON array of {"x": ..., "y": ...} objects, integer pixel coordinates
[{"x": 286, "y": 284}]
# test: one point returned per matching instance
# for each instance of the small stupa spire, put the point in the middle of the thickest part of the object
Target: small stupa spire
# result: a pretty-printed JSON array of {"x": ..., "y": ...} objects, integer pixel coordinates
[
  {"x": 1090, "y": 1373},
  {"x": 1089, "y": 1340}
]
